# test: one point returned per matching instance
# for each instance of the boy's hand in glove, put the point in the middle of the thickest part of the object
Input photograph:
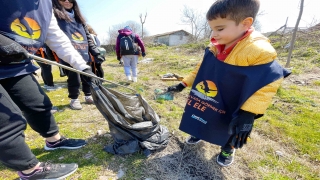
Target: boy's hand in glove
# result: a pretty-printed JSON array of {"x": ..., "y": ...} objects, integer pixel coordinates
[
  {"x": 91, "y": 79},
  {"x": 11, "y": 50},
  {"x": 240, "y": 128},
  {"x": 176, "y": 88}
]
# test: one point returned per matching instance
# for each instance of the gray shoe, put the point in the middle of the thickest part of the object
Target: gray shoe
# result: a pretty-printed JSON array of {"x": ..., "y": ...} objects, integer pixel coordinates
[
  {"x": 50, "y": 171},
  {"x": 51, "y": 88},
  {"x": 88, "y": 99},
  {"x": 225, "y": 158},
  {"x": 75, "y": 104}
]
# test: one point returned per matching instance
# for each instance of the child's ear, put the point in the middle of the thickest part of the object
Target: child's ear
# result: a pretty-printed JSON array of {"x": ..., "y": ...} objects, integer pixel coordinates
[{"x": 247, "y": 22}]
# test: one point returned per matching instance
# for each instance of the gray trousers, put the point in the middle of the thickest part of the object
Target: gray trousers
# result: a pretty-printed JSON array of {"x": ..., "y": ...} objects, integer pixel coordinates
[{"x": 130, "y": 64}]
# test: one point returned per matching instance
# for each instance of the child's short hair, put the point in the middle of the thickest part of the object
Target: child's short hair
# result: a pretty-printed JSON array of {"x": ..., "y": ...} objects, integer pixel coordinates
[{"x": 236, "y": 10}]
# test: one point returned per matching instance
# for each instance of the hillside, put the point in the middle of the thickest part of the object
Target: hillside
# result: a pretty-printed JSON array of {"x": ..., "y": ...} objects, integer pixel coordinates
[{"x": 285, "y": 141}]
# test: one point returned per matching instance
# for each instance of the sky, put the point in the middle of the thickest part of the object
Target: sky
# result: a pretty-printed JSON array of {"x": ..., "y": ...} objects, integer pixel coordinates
[{"x": 165, "y": 15}]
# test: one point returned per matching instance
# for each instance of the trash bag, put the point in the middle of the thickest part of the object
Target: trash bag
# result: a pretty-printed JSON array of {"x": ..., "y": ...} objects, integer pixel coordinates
[{"x": 133, "y": 124}]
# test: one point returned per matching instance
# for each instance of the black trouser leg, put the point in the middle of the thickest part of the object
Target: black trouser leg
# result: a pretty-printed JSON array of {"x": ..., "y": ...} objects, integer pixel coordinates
[
  {"x": 15, "y": 153},
  {"x": 227, "y": 148},
  {"x": 73, "y": 84},
  {"x": 27, "y": 94},
  {"x": 85, "y": 86},
  {"x": 46, "y": 74}
]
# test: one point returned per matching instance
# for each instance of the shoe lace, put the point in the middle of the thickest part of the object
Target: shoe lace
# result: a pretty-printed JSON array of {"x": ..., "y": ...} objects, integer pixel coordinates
[{"x": 48, "y": 166}]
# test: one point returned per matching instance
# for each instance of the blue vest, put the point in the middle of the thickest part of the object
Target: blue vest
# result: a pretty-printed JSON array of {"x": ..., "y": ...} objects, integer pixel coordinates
[
  {"x": 77, "y": 35},
  {"x": 26, "y": 22},
  {"x": 218, "y": 92}
]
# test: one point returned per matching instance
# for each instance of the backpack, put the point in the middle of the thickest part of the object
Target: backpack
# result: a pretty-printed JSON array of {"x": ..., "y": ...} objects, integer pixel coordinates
[{"x": 127, "y": 45}]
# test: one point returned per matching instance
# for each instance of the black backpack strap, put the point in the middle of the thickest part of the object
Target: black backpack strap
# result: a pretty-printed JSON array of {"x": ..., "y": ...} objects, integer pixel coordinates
[{"x": 133, "y": 36}]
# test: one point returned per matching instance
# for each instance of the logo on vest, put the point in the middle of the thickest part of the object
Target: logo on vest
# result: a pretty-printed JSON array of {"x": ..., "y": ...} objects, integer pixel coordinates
[
  {"x": 202, "y": 95},
  {"x": 206, "y": 90},
  {"x": 26, "y": 27},
  {"x": 77, "y": 36}
]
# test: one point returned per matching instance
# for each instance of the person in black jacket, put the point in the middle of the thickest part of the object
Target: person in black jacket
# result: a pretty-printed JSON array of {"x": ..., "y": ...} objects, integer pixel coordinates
[
  {"x": 72, "y": 23},
  {"x": 46, "y": 69},
  {"x": 96, "y": 66}
]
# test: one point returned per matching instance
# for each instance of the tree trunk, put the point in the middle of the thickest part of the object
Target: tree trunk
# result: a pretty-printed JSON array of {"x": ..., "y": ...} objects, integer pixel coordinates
[{"x": 293, "y": 39}]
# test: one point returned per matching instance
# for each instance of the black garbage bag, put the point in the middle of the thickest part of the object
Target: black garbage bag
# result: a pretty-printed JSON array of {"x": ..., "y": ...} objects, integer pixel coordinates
[{"x": 133, "y": 124}]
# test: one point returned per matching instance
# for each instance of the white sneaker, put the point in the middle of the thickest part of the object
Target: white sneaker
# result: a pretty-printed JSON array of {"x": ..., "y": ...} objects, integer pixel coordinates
[
  {"x": 75, "y": 104},
  {"x": 129, "y": 78},
  {"x": 134, "y": 79},
  {"x": 88, "y": 99}
]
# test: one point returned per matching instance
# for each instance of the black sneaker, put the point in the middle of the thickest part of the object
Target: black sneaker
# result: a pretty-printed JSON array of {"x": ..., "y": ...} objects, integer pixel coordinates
[
  {"x": 50, "y": 171},
  {"x": 65, "y": 143},
  {"x": 225, "y": 158},
  {"x": 192, "y": 140}
]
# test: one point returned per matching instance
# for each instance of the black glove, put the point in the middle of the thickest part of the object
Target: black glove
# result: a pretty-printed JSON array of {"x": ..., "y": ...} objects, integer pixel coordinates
[
  {"x": 99, "y": 59},
  {"x": 118, "y": 58},
  {"x": 240, "y": 128},
  {"x": 143, "y": 54},
  {"x": 11, "y": 50},
  {"x": 176, "y": 88},
  {"x": 90, "y": 79}
]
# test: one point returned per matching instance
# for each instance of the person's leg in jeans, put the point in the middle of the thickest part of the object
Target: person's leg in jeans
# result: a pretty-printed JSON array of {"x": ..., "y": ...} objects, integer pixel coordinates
[
  {"x": 36, "y": 107},
  {"x": 133, "y": 64},
  {"x": 34, "y": 103},
  {"x": 86, "y": 90},
  {"x": 127, "y": 66},
  {"x": 15, "y": 153},
  {"x": 46, "y": 74}
]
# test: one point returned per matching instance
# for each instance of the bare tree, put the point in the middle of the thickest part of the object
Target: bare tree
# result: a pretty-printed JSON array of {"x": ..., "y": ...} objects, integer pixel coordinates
[
  {"x": 196, "y": 21},
  {"x": 142, "y": 23},
  {"x": 293, "y": 39},
  {"x": 282, "y": 27},
  {"x": 257, "y": 24}
]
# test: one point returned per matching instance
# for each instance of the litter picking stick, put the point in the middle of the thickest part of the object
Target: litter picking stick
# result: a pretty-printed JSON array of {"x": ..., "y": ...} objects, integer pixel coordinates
[{"x": 74, "y": 70}]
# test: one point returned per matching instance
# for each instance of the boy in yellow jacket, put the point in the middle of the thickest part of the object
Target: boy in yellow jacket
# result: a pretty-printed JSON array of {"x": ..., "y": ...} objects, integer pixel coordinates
[{"x": 235, "y": 81}]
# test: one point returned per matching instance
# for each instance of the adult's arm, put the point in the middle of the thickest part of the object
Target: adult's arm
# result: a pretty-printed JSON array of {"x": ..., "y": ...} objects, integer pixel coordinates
[
  {"x": 118, "y": 46},
  {"x": 58, "y": 42}
]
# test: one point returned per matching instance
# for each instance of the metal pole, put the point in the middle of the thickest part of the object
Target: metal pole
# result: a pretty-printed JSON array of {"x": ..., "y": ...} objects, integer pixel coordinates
[{"x": 37, "y": 58}]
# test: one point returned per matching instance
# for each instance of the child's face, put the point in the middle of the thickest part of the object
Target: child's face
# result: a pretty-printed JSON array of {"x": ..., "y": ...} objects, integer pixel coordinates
[{"x": 226, "y": 31}]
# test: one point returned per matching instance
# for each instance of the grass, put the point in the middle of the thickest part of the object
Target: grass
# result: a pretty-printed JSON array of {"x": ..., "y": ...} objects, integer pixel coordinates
[{"x": 290, "y": 125}]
